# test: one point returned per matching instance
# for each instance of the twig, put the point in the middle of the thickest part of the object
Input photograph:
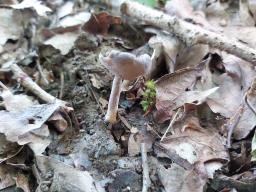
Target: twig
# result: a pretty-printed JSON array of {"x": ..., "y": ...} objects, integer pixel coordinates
[
  {"x": 247, "y": 102},
  {"x": 61, "y": 84},
  {"x": 171, "y": 124},
  {"x": 232, "y": 123},
  {"x": 92, "y": 92},
  {"x": 171, "y": 153},
  {"x": 3, "y": 86},
  {"x": 146, "y": 179},
  {"x": 251, "y": 92},
  {"x": 12, "y": 155},
  {"x": 124, "y": 121},
  {"x": 42, "y": 76},
  {"x": 29, "y": 84},
  {"x": 188, "y": 33}
]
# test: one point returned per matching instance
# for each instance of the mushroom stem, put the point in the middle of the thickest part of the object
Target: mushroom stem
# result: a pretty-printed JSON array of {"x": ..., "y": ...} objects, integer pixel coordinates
[{"x": 110, "y": 117}]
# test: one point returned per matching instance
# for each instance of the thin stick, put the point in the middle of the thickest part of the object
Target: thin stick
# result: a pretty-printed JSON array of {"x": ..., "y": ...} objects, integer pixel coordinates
[
  {"x": 249, "y": 105},
  {"x": 3, "y": 86},
  {"x": 41, "y": 73},
  {"x": 232, "y": 123},
  {"x": 62, "y": 80},
  {"x": 186, "y": 32},
  {"x": 171, "y": 124},
  {"x": 29, "y": 84},
  {"x": 146, "y": 179}
]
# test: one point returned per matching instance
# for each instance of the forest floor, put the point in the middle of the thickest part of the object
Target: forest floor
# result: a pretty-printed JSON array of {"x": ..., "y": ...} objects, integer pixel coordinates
[{"x": 187, "y": 125}]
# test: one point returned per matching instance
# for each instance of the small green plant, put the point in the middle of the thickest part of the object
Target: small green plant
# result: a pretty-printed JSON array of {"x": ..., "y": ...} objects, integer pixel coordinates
[{"x": 148, "y": 95}]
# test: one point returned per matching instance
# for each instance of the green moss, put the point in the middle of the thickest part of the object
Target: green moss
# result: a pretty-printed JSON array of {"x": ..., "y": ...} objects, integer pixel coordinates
[{"x": 149, "y": 95}]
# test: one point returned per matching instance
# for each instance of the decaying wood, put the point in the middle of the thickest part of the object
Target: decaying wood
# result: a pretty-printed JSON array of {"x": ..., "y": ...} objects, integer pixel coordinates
[
  {"x": 30, "y": 85},
  {"x": 188, "y": 33},
  {"x": 146, "y": 179}
]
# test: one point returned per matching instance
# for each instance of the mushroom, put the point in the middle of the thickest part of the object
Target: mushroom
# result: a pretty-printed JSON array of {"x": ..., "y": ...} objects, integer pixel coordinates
[{"x": 125, "y": 66}]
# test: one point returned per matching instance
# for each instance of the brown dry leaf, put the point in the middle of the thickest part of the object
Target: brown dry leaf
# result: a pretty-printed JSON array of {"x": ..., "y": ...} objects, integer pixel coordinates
[
  {"x": 15, "y": 124},
  {"x": 172, "y": 90},
  {"x": 37, "y": 139},
  {"x": 178, "y": 179},
  {"x": 7, "y": 149},
  {"x": 197, "y": 145},
  {"x": 197, "y": 153},
  {"x": 229, "y": 97},
  {"x": 6, "y": 176},
  {"x": 22, "y": 182},
  {"x": 170, "y": 86},
  {"x": 58, "y": 122},
  {"x": 191, "y": 56},
  {"x": 99, "y": 23},
  {"x": 65, "y": 177}
]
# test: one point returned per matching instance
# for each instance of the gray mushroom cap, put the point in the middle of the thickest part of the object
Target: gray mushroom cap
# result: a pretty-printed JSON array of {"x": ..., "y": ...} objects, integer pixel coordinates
[{"x": 126, "y": 65}]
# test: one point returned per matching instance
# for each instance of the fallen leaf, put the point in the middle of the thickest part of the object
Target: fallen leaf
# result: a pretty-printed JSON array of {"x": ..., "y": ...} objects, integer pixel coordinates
[
  {"x": 6, "y": 176},
  {"x": 16, "y": 102},
  {"x": 65, "y": 177},
  {"x": 63, "y": 42},
  {"x": 22, "y": 182},
  {"x": 35, "y": 4},
  {"x": 15, "y": 124},
  {"x": 99, "y": 23},
  {"x": 195, "y": 144},
  {"x": 167, "y": 45},
  {"x": 172, "y": 91},
  {"x": 74, "y": 19},
  {"x": 9, "y": 17},
  {"x": 58, "y": 122},
  {"x": 178, "y": 179},
  {"x": 38, "y": 140},
  {"x": 170, "y": 86}
]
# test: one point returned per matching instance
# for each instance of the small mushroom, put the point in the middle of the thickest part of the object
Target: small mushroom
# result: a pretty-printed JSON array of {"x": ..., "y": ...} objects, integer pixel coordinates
[{"x": 125, "y": 66}]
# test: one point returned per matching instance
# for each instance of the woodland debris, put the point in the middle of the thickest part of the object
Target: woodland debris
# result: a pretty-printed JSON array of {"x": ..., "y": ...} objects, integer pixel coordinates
[
  {"x": 188, "y": 33},
  {"x": 29, "y": 84},
  {"x": 146, "y": 179}
]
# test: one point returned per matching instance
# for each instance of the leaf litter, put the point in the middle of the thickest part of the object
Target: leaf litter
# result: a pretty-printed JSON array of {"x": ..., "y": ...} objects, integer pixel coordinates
[{"x": 198, "y": 133}]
